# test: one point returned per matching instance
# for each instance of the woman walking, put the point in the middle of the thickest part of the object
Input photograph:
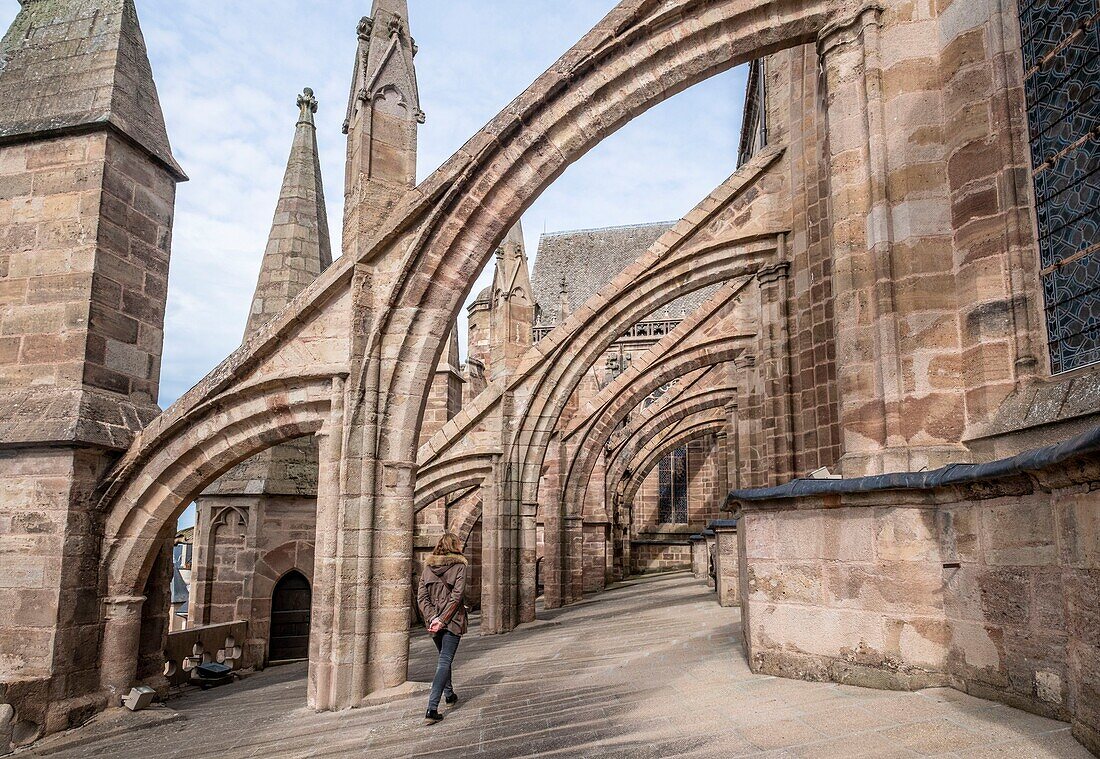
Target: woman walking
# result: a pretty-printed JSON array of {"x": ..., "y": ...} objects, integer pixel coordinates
[{"x": 439, "y": 597}]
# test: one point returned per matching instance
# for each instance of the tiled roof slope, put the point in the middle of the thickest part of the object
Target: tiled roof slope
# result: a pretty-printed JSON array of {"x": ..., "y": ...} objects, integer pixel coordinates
[
  {"x": 70, "y": 64},
  {"x": 589, "y": 259}
]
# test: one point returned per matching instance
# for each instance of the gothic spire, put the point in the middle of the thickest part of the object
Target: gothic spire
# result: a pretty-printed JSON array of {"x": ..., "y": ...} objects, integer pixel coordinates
[
  {"x": 381, "y": 122},
  {"x": 512, "y": 279},
  {"x": 384, "y": 58},
  {"x": 298, "y": 248},
  {"x": 92, "y": 55}
]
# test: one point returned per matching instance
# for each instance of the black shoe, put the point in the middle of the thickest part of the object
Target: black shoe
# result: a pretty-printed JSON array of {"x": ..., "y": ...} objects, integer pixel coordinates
[
  {"x": 452, "y": 699},
  {"x": 432, "y": 716}
]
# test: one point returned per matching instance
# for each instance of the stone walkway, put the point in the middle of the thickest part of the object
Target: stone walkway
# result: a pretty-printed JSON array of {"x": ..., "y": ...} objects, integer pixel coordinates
[{"x": 649, "y": 669}]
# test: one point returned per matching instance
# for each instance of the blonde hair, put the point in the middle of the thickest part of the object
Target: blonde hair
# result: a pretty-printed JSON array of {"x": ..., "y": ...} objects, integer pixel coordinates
[{"x": 449, "y": 543}]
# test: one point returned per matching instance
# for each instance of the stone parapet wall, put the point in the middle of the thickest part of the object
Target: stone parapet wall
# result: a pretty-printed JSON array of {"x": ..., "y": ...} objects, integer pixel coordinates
[
  {"x": 990, "y": 586},
  {"x": 700, "y": 559},
  {"x": 188, "y": 649},
  {"x": 726, "y": 565},
  {"x": 844, "y": 594},
  {"x": 659, "y": 556},
  {"x": 1022, "y": 600}
]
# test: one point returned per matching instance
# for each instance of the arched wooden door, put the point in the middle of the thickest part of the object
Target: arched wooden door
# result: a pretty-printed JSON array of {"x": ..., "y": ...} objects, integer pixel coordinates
[{"x": 290, "y": 606}]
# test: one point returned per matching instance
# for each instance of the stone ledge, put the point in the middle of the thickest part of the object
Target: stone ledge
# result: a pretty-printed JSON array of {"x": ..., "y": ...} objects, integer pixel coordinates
[
  {"x": 1086, "y": 736},
  {"x": 1071, "y": 462},
  {"x": 1035, "y": 410},
  {"x": 50, "y": 415}
]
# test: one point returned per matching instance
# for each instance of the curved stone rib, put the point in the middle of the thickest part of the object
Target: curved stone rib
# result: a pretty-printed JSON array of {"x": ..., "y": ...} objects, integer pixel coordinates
[
  {"x": 719, "y": 392},
  {"x": 690, "y": 428}
]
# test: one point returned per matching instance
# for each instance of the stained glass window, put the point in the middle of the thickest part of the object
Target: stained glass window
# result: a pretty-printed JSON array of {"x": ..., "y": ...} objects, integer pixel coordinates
[
  {"x": 1061, "y": 51},
  {"x": 672, "y": 502}
]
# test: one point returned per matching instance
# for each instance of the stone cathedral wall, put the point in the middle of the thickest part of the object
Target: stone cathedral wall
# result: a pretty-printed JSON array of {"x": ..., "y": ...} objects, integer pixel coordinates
[{"x": 989, "y": 587}]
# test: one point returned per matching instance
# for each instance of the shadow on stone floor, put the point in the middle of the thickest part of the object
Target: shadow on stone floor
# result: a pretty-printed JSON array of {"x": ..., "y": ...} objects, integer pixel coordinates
[{"x": 653, "y": 671}]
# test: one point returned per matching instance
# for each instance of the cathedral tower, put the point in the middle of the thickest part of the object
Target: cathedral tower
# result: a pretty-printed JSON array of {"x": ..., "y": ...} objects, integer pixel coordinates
[{"x": 87, "y": 197}]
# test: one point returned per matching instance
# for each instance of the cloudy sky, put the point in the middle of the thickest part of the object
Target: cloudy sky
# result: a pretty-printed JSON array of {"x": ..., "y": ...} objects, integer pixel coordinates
[{"x": 228, "y": 74}]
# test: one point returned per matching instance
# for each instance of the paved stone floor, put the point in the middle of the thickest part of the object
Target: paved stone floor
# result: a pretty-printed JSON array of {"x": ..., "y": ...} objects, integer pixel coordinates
[{"x": 649, "y": 669}]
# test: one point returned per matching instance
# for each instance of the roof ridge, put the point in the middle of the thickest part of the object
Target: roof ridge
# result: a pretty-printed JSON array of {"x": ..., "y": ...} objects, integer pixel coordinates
[{"x": 645, "y": 225}]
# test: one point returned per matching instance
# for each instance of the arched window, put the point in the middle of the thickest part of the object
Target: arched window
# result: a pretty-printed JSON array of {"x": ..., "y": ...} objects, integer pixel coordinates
[
  {"x": 1061, "y": 53},
  {"x": 672, "y": 503}
]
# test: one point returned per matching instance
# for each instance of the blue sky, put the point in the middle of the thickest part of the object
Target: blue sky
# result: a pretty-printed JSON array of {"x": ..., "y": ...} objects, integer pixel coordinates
[{"x": 228, "y": 74}]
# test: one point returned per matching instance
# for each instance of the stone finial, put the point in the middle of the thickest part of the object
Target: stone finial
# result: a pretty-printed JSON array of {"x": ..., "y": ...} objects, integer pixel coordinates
[
  {"x": 307, "y": 102},
  {"x": 396, "y": 28},
  {"x": 564, "y": 285}
]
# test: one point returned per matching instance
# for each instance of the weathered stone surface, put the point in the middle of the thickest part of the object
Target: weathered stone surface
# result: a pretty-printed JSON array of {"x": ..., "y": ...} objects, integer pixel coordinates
[
  {"x": 884, "y": 318},
  {"x": 80, "y": 63},
  {"x": 610, "y": 697}
]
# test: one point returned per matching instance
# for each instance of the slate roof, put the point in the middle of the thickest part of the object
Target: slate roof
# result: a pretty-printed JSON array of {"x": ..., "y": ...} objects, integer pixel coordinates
[
  {"x": 79, "y": 64},
  {"x": 589, "y": 259}
]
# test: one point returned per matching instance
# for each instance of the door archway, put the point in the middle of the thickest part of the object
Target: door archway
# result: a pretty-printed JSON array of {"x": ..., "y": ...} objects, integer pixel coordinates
[{"x": 290, "y": 617}]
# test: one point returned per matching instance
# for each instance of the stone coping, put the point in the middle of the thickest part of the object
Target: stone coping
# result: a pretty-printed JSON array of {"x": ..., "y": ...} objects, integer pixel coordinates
[
  {"x": 723, "y": 524},
  {"x": 1027, "y": 465}
]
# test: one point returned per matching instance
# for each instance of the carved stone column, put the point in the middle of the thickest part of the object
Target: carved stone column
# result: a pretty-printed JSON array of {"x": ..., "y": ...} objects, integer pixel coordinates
[
  {"x": 574, "y": 536},
  {"x": 733, "y": 444},
  {"x": 866, "y": 335},
  {"x": 528, "y": 558},
  {"x": 121, "y": 639},
  {"x": 892, "y": 259},
  {"x": 555, "y": 553},
  {"x": 323, "y": 688},
  {"x": 750, "y": 458},
  {"x": 391, "y": 580},
  {"x": 721, "y": 450},
  {"x": 775, "y": 370},
  {"x": 500, "y": 553}
]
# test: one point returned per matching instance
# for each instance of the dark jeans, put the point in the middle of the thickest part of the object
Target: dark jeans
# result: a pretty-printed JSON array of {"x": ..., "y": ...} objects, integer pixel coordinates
[{"x": 447, "y": 644}]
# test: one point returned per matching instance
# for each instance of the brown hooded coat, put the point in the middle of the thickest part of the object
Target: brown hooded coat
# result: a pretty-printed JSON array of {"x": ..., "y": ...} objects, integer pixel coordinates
[{"x": 442, "y": 584}]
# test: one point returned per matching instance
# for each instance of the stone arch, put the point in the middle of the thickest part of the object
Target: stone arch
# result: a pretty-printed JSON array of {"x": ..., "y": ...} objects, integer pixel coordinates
[
  {"x": 230, "y": 515},
  {"x": 656, "y": 425},
  {"x": 425, "y": 260},
  {"x": 389, "y": 99},
  {"x": 588, "y": 440},
  {"x": 168, "y": 468},
  {"x": 691, "y": 428},
  {"x": 453, "y": 475},
  {"x": 642, "y": 53},
  {"x": 551, "y": 371},
  {"x": 464, "y": 526},
  {"x": 296, "y": 610},
  {"x": 271, "y": 567}
]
